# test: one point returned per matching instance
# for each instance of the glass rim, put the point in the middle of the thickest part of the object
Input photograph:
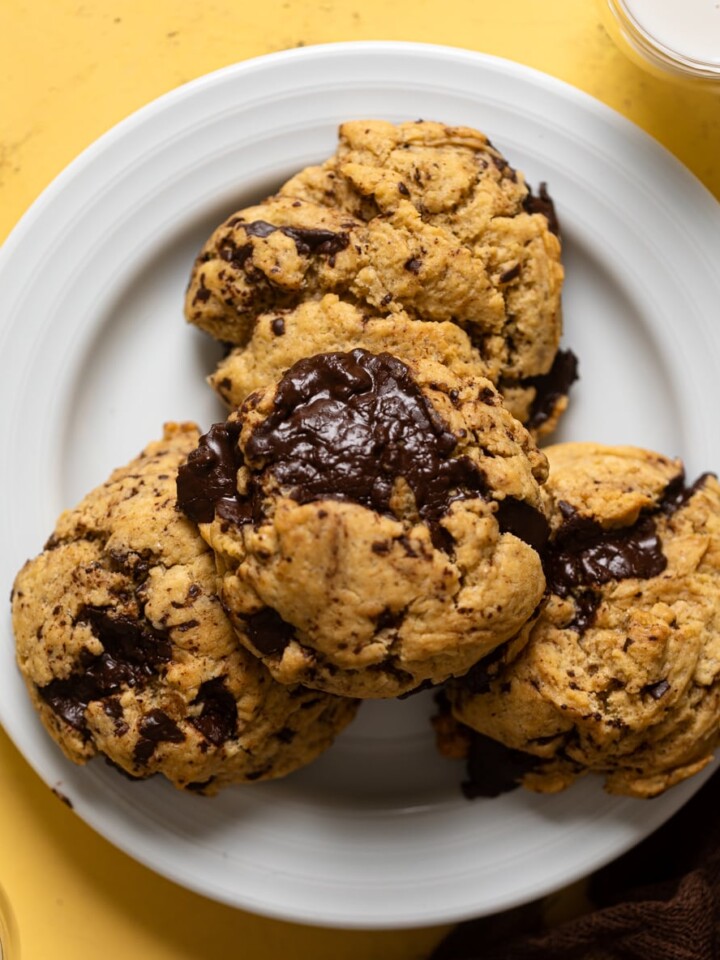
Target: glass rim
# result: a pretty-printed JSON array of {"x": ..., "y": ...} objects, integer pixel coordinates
[{"x": 652, "y": 48}]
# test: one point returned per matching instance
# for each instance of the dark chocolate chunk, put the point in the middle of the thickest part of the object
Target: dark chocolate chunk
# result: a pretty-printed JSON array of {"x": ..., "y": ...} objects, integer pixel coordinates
[
  {"x": 657, "y": 690},
  {"x": 218, "y": 719},
  {"x": 676, "y": 494},
  {"x": 493, "y": 769},
  {"x": 512, "y": 274},
  {"x": 346, "y": 425},
  {"x": 583, "y": 554},
  {"x": 155, "y": 727},
  {"x": 133, "y": 652},
  {"x": 586, "y": 605},
  {"x": 268, "y": 632},
  {"x": 543, "y": 203},
  {"x": 278, "y": 326},
  {"x": 306, "y": 240},
  {"x": 524, "y": 521},
  {"x": 479, "y": 677},
  {"x": 551, "y": 386},
  {"x": 285, "y": 735},
  {"x": 413, "y": 265},
  {"x": 206, "y": 482}
]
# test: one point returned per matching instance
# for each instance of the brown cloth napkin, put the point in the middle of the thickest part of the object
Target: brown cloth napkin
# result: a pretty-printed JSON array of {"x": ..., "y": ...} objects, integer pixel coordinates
[{"x": 660, "y": 901}]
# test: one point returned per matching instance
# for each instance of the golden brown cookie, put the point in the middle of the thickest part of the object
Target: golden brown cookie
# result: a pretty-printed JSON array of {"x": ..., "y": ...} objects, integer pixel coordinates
[
  {"x": 459, "y": 183},
  {"x": 621, "y": 674},
  {"x": 376, "y": 523},
  {"x": 283, "y": 337},
  {"x": 417, "y": 220},
  {"x": 126, "y": 650}
]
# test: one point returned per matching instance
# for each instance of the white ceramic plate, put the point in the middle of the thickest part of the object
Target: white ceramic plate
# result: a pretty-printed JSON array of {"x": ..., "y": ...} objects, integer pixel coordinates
[{"x": 94, "y": 356}]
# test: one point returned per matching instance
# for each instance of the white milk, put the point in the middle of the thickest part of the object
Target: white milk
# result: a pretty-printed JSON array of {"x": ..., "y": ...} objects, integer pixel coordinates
[{"x": 690, "y": 28}]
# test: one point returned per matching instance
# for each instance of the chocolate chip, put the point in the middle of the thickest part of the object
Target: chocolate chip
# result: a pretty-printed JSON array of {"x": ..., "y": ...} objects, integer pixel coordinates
[
  {"x": 413, "y": 265},
  {"x": 133, "y": 651},
  {"x": 657, "y": 690},
  {"x": 512, "y": 274},
  {"x": 278, "y": 326},
  {"x": 551, "y": 386},
  {"x": 218, "y": 719},
  {"x": 306, "y": 240},
  {"x": 155, "y": 727},
  {"x": 268, "y": 632},
  {"x": 543, "y": 204}
]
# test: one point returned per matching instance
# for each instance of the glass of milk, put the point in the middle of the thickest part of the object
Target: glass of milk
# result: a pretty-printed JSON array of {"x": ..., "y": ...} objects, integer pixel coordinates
[{"x": 675, "y": 37}]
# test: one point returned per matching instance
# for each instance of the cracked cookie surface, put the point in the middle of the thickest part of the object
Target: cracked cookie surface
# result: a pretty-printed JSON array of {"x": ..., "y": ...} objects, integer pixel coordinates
[
  {"x": 418, "y": 220},
  {"x": 461, "y": 185},
  {"x": 376, "y": 523},
  {"x": 621, "y": 674},
  {"x": 126, "y": 650}
]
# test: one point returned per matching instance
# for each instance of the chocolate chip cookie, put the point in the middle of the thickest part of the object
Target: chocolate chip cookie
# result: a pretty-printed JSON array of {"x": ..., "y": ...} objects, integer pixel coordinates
[
  {"x": 460, "y": 184},
  {"x": 419, "y": 221},
  {"x": 127, "y": 653},
  {"x": 621, "y": 673},
  {"x": 376, "y": 523}
]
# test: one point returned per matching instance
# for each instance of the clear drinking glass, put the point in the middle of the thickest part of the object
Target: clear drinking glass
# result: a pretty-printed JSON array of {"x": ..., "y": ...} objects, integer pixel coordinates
[{"x": 676, "y": 38}]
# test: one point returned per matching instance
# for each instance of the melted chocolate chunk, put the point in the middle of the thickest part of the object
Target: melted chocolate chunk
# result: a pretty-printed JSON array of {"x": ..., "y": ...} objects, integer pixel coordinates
[
  {"x": 586, "y": 605},
  {"x": 676, "y": 494},
  {"x": 346, "y": 425},
  {"x": 133, "y": 652},
  {"x": 522, "y": 520},
  {"x": 479, "y": 677},
  {"x": 218, "y": 720},
  {"x": 551, "y": 386},
  {"x": 493, "y": 769},
  {"x": 155, "y": 727},
  {"x": 306, "y": 240},
  {"x": 207, "y": 481},
  {"x": 268, "y": 632},
  {"x": 543, "y": 204},
  {"x": 583, "y": 554}
]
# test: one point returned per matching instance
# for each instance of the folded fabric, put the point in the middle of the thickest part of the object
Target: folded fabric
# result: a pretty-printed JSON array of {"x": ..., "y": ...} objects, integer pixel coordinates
[{"x": 661, "y": 901}]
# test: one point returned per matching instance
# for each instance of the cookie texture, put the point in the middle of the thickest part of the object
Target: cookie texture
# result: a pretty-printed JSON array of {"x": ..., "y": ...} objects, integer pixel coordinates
[
  {"x": 376, "y": 523},
  {"x": 460, "y": 184},
  {"x": 621, "y": 672},
  {"x": 281, "y": 338},
  {"x": 418, "y": 221},
  {"x": 127, "y": 653}
]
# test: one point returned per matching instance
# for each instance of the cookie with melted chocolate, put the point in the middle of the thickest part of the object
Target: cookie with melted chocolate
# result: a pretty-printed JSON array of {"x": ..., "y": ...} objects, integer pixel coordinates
[
  {"x": 621, "y": 672},
  {"x": 127, "y": 652},
  {"x": 417, "y": 222},
  {"x": 461, "y": 186},
  {"x": 377, "y": 524}
]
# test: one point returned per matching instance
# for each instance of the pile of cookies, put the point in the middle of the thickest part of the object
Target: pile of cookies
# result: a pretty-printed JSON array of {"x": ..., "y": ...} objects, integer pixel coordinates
[{"x": 375, "y": 517}]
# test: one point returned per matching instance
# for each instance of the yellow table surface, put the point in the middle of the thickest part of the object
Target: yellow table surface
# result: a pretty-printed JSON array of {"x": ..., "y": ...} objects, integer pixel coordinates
[{"x": 69, "y": 70}]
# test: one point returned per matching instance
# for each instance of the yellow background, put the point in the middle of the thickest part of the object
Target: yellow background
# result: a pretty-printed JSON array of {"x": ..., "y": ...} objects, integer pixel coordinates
[{"x": 68, "y": 71}]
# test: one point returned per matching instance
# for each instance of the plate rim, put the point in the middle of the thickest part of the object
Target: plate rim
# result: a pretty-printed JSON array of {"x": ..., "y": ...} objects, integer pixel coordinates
[{"x": 269, "y": 61}]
